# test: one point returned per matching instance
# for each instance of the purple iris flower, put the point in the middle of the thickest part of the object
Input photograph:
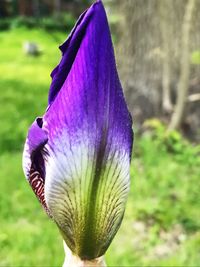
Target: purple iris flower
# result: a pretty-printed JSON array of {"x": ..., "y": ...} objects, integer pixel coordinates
[{"x": 77, "y": 156}]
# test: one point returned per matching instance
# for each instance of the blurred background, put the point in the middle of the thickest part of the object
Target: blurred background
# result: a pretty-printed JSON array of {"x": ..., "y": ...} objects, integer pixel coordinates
[{"x": 157, "y": 47}]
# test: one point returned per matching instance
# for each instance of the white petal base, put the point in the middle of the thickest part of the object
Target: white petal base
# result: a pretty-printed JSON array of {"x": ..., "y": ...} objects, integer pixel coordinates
[{"x": 74, "y": 261}]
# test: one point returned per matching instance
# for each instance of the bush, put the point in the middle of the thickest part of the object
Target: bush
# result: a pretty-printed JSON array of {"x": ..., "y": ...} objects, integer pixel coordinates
[
  {"x": 27, "y": 22},
  {"x": 172, "y": 142},
  {"x": 64, "y": 23},
  {"x": 4, "y": 24}
]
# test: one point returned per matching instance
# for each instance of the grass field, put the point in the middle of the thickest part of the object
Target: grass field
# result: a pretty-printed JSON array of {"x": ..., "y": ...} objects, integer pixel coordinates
[{"x": 162, "y": 221}]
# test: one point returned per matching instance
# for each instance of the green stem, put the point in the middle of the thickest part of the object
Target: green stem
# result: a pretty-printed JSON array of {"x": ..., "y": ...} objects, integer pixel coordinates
[{"x": 72, "y": 260}]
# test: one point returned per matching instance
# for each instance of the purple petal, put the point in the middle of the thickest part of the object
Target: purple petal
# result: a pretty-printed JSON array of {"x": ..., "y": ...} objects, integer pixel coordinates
[
  {"x": 69, "y": 50},
  {"x": 34, "y": 159},
  {"x": 91, "y": 94},
  {"x": 89, "y": 140}
]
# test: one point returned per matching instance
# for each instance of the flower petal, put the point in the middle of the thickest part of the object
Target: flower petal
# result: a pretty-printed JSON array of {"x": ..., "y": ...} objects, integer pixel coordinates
[
  {"x": 89, "y": 143},
  {"x": 69, "y": 50},
  {"x": 34, "y": 159}
]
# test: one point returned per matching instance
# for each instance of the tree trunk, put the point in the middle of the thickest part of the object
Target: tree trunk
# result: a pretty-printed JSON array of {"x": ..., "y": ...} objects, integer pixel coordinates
[
  {"x": 25, "y": 8},
  {"x": 166, "y": 33},
  {"x": 36, "y": 8},
  {"x": 183, "y": 84},
  {"x": 57, "y": 8}
]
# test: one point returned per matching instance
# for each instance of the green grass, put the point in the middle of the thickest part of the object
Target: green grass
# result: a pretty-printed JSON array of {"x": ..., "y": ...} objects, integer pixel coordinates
[{"x": 162, "y": 223}]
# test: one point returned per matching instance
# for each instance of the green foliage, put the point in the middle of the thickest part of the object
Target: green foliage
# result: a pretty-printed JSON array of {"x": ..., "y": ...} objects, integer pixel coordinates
[
  {"x": 195, "y": 58},
  {"x": 172, "y": 142},
  {"x": 170, "y": 164},
  {"x": 4, "y": 24},
  {"x": 64, "y": 23},
  {"x": 161, "y": 225},
  {"x": 28, "y": 22}
]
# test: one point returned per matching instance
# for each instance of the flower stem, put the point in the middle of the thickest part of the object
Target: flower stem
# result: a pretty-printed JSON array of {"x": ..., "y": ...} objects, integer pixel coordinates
[{"x": 72, "y": 260}]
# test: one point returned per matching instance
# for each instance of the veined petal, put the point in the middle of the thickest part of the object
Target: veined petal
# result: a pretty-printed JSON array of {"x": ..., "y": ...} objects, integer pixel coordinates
[
  {"x": 34, "y": 159},
  {"x": 87, "y": 197},
  {"x": 89, "y": 142}
]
